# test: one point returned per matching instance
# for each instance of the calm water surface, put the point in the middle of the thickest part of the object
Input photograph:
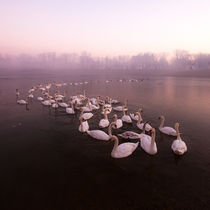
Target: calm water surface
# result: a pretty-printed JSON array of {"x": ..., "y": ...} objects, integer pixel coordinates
[{"x": 47, "y": 164}]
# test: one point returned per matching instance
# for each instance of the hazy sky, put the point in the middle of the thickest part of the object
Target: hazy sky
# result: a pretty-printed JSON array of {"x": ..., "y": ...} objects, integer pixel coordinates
[{"x": 108, "y": 27}]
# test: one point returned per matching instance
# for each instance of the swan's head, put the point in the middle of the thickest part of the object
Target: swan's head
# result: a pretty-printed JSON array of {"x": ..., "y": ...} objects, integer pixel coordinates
[
  {"x": 176, "y": 125},
  {"x": 161, "y": 117},
  {"x": 140, "y": 110},
  {"x": 115, "y": 116},
  {"x": 82, "y": 119},
  {"x": 137, "y": 113}
]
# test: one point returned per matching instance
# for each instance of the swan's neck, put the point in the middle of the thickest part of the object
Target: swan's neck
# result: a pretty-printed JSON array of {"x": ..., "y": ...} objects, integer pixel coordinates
[
  {"x": 178, "y": 134},
  {"x": 105, "y": 115},
  {"x": 82, "y": 127},
  {"x": 153, "y": 139},
  {"x": 116, "y": 143},
  {"x": 123, "y": 111},
  {"x": 162, "y": 123},
  {"x": 72, "y": 106},
  {"x": 110, "y": 129},
  {"x": 140, "y": 118}
]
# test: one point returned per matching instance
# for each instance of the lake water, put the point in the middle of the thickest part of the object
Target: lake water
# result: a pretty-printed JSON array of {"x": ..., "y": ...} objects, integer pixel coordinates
[{"x": 46, "y": 163}]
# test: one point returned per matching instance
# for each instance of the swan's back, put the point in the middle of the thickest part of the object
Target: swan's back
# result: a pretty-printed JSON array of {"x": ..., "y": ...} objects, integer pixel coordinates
[
  {"x": 103, "y": 123},
  {"x": 124, "y": 150},
  {"x": 98, "y": 134},
  {"x": 168, "y": 130},
  {"x": 179, "y": 147},
  {"x": 129, "y": 135},
  {"x": 126, "y": 118}
]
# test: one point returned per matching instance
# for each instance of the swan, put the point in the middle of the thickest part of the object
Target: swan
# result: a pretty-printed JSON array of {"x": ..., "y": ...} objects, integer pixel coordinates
[
  {"x": 118, "y": 122},
  {"x": 122, "y": 150},
  {"x": 133, "y": 135},
  {"x": 148, "y": 143},
  {"x": 31, "y": 96},
  {"x": 87, "y": 108},
  {"x": 40, "y": 98},
  {"x": 104, "y": 122},
  {"x": 120, "y": 108},
  {"x": 84, "y": 127},
  {"x": 178, "y": 146},
  {"x": 47, "y": 102},
  {"x": 129, "y": 135},
  {"x": 101, "y": 135},
  {"x": 55, "y": 105},
  {"x": 63, "y": 104},
  {"x": 135, "y": 117},
  {"x": 86, "y": 116},
  {"x": 22, "y": 102},
  {"x": 70, "y": 110},
  {"x": 126, "y": 118},
  {"x": 108, "y": 105},
  {"x": 140, "y": 124},
  {"x": 17, "y": 93},
  {"x": 166, "y": 130}
]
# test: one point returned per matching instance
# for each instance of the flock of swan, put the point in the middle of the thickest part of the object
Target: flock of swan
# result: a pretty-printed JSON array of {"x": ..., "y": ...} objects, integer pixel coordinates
[{"x": 81, "y": 103}]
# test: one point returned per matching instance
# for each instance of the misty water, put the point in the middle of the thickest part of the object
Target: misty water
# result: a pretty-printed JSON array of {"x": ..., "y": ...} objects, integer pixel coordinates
[{"x": 46, "y": 163}]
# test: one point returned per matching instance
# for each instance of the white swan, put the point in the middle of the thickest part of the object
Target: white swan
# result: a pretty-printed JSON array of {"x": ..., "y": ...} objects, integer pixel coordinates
[
  {"x": 17, "y": 93},
  {"x": 70, "y": 110},
  {"x": 86, "y": 116},
  {"x": 129, "y": 135},
  {"x": 55, "y": 105},
  {"x": 87, "y": 108},
  {"x": 101, "y": 135},
  {"x": 118, "y": 122},
  {"x": 135, "y": 117},
  {"x": 31, "y": 96},
  {"x": 40, "y": 98},
  {"x": 104, "y": 122},
  {"x": 148, "y": 143},
  {"x": 63, "y": 104},
  {"x": 22, "y": 102},
  {"x": 133, "y": 135},
  {"x": 140, "y": 124},
  {"x": 126, "y": 118},
  {"x": 84, "y": 126},
  {"x": 46, "y": 102},
  {"x": 120, "y": 108},
  {"x": 122, "y": 150},
  {"x": 108, "y": 109},
  {"x": 178, "y": 146},
  {"x": 166, "y": 130}
]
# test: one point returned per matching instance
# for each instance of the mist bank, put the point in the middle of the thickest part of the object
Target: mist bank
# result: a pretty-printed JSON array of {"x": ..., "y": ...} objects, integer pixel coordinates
[{"x": 180, "y": 63}]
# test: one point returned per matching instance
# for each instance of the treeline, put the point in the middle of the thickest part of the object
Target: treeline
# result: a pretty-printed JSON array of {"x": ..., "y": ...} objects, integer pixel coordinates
[{"x": 180, "y": 60}]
